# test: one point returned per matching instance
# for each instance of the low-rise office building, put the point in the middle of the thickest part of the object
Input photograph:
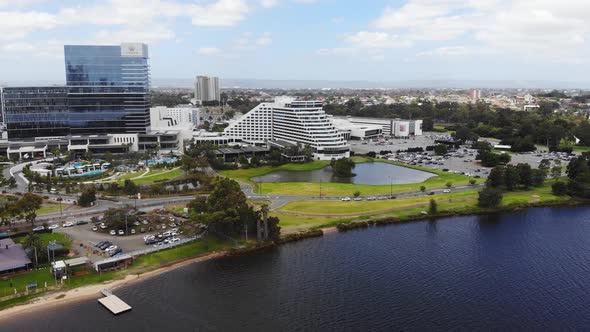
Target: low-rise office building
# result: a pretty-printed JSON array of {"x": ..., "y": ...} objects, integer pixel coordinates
[{"x": 390, "y": 127}]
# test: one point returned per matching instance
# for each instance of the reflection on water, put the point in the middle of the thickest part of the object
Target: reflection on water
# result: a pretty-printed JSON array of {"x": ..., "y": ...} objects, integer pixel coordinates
[{"x": 375, "y": 173}]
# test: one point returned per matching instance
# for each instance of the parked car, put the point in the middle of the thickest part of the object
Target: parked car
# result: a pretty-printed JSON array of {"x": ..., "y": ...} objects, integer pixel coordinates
[
  {"x": 372, "y": 198},
  {"x": 133, "y": 231},
  {"x": 54, "y": 226},
  {"x": 121, "y": 232},
  {"x": 100, "y": 243},
  {"x": 356, "y": 199},
  {"x": 431, "y": 193},
  {"x": 345, "y": 199},
  {"x": 136, "y": 223},
  {"x": 446, "y": 191},
  {"x": 174, "y": 239},
  {"x": 113, "y": 232},
  {"x": 115, "y": 252},
  {"x": 38, "y": 228},
  {"x": 105, "y": 245},
  {"x": 68, "y": 224},
  {"x": 94, "y": 228}
]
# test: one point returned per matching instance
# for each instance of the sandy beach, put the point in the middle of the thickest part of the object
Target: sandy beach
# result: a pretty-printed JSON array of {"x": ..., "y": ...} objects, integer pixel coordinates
[{"x": 93, "y": 291}]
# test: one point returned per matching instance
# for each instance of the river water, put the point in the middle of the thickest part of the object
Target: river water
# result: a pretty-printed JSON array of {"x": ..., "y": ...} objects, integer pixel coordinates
[
  {"x": 374, "y": 173},
  {"x": 527, "y": 270}
]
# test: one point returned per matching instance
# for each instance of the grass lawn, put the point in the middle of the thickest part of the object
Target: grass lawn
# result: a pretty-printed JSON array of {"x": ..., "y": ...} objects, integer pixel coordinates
[
  {"x": 317, "y": 214},
  {"x": 159, "y": 176},
  {"x": 332, "y": 208},
  {"x": 578, "y": 148},
  {"x": 48, "y": 237},
  {"x": 20, "y": 281},
  {"x": 340, "y": 189},
  {"x": 49, "y": 208}
]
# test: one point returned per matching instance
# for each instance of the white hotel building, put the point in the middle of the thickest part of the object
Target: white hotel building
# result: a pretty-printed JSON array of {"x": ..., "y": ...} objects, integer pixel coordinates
[{"x": 296, "y": 122}]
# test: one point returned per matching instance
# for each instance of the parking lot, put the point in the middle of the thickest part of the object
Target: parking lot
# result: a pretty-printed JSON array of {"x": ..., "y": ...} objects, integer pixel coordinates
[
  {"x": 86, "y": 237},
  {"x": 461, "y": 161}
]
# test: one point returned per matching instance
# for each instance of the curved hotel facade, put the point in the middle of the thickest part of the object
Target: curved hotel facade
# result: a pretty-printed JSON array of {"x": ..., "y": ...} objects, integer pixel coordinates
[{"x": 295, "y": 122}]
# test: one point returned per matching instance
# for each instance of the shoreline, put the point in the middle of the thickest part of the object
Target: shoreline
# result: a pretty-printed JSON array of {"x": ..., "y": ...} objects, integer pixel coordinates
[
  {"x": 93, "y": 291},
  {"x": 70, "y": 296}
]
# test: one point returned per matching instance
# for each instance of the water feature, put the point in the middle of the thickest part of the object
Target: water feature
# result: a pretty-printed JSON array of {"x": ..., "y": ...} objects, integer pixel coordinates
[
  {"x": 521, "y": 271},
  {"x": 374, "y": 173}
]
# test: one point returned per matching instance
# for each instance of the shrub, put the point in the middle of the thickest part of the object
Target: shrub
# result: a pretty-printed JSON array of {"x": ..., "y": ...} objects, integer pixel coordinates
[{"x": 559, "y": 188}]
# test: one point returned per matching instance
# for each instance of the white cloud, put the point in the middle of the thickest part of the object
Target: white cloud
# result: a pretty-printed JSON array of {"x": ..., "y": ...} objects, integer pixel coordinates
[
  {"x": 16, "y": 25},
  {"x": 209, "y": 51},
  {"x": 378, "y": 40},
  {"x": 268, "y": 3},
  {"x": 249, "y": 41},
  {"x": 533, "y": 28},
  {"x": 448, "y": 51},
  {"x": 153, "y": 34},
  {"x": 44, "y": 49},
  {"x": 220, "y": 13}
]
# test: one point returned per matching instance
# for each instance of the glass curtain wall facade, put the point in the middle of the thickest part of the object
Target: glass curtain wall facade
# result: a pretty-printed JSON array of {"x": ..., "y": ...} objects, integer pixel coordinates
[
  {"x": 35, "y": 111},
  {"x": 108, "y": 88}
]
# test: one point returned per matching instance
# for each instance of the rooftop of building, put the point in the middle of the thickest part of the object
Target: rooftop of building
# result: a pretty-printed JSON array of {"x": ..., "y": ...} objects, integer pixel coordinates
[{"x": 12, "y": 256}]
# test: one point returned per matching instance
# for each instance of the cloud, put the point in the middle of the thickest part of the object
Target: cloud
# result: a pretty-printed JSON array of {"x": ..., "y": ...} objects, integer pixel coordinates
[
  {"x": 378, "y": 40},
  {"x": 447, "y": 51},
  {"x": 135, "y": 17},
  {"x": 268, "y": 3},
  {"x": 531, "y": 28},
  {"x": 152, "y": 34},
  {"x": 248, "y": 41},
  {"x": 16, "y": 25},
  {"x": 209, "y": 51}
]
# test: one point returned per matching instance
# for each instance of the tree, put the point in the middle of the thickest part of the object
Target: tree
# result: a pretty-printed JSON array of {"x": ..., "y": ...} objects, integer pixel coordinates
[
  {"x": 496, "y": 177},
  {"x": 489, "y": 198},
  {"x": 440, "y": 149},
  {"x": 472, "y": 182},
  {"x": 559, "y": 188},
  {"x": 27, "y": 206},
  {"x": 556, "y": 172},
  {"x": 525, "y": 174},
  {"x": 12, "y": 182},
  {"x": 449, "y": 184},
  {"x": 422, "y": 188},
  {"x": 538, "y": 177},
  {"x": 356, "y": 193},
  {"x": 130, "y": 187},
  {"x": 342, "y": 167},
  {"x": 511, "y": 177},
  {"x": 36, "y": 252},
  {"x": 87, "y": 197},
  {"x": 433, "y": 208}
]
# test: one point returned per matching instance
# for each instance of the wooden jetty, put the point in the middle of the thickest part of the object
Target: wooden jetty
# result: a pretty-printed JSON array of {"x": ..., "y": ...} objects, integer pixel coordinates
[{"x": 113, "y": 303}]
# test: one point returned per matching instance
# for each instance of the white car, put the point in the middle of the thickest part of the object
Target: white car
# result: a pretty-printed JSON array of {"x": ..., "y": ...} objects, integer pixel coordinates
[
  {"x": 345, "y": 199},
  {"x": 174, "y": 239},
  {"x": 103, "y": 226},
  {"x": 113, "y": 232},
  {"x": 94, "y": 228},
  {"x": 356, "y": 199},
  {"x": 68, "y": 224},
  {"x": 446, "y": 191},
  {"x": 121, "y": 232},
  {"x": 38, "y": 228},
  {"x": 372, "y": 198},
  {"x": 111, "y": 249},
  {"x": 54, "y": 226},
  {"x": 133, "y": 231}
]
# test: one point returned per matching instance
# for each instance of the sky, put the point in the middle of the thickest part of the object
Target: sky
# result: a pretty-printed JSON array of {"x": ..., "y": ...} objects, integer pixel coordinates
[{"x": 374, "y": 40}]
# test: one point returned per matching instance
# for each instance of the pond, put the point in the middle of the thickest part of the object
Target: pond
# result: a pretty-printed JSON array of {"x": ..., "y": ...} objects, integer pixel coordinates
[{"x": 374, "y": 173}]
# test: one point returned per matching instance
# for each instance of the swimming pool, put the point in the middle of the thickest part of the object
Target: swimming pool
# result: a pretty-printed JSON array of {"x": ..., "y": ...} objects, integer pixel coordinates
[{"x": 88, "y": 173}]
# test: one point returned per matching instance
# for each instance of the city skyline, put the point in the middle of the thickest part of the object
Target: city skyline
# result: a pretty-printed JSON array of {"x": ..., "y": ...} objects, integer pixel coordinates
[{"x": 308, "y": 39}]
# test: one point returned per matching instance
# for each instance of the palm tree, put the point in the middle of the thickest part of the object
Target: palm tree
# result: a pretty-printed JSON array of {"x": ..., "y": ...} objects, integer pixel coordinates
[{"x": 264, "y": 211}]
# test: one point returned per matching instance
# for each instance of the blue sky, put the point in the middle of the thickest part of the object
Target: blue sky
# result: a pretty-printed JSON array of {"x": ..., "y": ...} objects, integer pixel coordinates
[{"x": 373, "y": 40}]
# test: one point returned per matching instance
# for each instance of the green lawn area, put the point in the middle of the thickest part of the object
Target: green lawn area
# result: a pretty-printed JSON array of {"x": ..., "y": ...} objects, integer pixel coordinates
[
  {"x": 20, "y": 281},
  {"x": 124, "y": 177},
  {"x": 578, "y": 148},
  {"x": 49, "y": 208},
  {"x": 159, "y": 176},
  {"x": 463, "y": 202},
  {"x": 48, "y": 237},
  {"x": 339, "y": 189}
]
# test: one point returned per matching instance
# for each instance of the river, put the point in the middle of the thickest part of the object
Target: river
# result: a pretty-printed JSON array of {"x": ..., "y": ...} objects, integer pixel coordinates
[{"x": 527, "y": 270}]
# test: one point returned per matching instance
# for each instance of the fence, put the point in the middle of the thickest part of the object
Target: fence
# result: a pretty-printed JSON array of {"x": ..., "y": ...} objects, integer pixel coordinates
[{"x": 30, "y": 292}]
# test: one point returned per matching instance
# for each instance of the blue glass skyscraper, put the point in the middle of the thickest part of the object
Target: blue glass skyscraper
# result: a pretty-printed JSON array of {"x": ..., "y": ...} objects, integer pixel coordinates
[{"x": 108, "y": 88}]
